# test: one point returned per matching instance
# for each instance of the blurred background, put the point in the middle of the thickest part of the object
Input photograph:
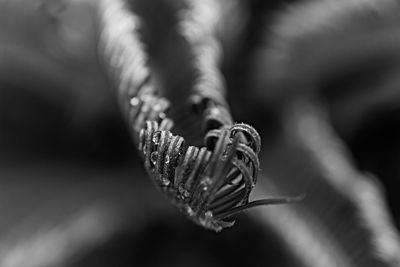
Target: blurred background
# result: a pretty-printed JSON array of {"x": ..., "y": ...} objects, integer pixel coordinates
[{"x": 318, "y": 79}]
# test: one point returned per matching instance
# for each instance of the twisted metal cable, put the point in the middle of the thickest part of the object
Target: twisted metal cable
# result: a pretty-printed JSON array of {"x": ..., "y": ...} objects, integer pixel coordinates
[{"x": 208, "y": 184}]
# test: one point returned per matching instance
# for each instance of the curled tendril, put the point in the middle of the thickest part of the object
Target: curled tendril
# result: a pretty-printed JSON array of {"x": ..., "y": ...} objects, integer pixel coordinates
[{"x": 208, "y": 184}]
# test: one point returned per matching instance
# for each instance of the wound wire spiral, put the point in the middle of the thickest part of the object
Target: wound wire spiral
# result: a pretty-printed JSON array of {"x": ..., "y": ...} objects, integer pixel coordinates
[{"x": 208, "y": 184}]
